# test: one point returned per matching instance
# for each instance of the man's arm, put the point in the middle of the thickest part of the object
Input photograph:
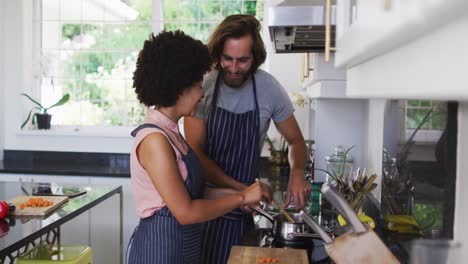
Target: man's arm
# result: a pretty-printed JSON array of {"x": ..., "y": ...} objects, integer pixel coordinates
[
  {"x": 297, "y": 186},
  {"x": 195, "y": 134}
]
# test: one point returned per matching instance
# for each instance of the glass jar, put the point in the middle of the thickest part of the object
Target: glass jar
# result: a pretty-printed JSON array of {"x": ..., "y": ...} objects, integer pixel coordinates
[
  {"x": 339, "y": 164},
  {"x": 309, "y": 169}
]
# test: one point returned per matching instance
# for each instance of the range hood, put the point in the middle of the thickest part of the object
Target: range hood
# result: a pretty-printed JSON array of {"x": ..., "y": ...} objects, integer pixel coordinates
[{"x": 298, "y": 26}]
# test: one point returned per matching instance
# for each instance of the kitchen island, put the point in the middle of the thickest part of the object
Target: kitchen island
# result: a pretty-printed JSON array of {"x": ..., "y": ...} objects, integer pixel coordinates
[{"x": 19, "y": 233}]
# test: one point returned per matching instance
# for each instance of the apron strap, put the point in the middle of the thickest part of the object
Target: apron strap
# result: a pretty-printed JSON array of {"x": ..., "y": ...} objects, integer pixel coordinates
[{"x": 149, "y": 125}]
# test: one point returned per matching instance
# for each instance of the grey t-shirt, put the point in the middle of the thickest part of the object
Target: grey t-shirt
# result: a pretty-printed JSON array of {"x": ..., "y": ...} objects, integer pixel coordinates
[{"x": 273, "y": 101}]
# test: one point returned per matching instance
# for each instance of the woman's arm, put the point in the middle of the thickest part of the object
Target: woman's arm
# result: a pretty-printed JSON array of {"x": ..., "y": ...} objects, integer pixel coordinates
[
  {"x": 158, "y": 159},
  {"x": 215, "y": 193}
]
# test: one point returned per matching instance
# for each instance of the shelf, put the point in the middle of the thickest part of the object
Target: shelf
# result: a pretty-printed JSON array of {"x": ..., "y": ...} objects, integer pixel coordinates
[{"x": 327, "y": 89}]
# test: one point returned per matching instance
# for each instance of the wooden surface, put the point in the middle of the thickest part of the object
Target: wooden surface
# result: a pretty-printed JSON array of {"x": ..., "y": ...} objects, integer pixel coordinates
[
  {"x": 366, "y": 248},
  {"x": 249, "y": 255},
  {"x": 57, "y": 200}
]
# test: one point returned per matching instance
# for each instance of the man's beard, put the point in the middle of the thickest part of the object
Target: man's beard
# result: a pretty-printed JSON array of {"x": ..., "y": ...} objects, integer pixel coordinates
[{"x": 242, "y": 77}]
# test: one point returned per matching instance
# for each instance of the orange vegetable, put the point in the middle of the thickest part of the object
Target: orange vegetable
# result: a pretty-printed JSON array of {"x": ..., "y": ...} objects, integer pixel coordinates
[
  {"x": 22, "y": 205},
  {"x": 260, "y": 260}
]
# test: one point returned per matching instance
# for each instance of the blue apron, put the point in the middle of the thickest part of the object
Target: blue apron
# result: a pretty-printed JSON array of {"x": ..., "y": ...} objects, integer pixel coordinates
[
  {"x": 232, "y": 142},
  {"x": 160, "y": 238}
]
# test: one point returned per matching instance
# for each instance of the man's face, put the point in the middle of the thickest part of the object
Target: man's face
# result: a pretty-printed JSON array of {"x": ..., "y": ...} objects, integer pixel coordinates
[{"x": 236, "y": 61}]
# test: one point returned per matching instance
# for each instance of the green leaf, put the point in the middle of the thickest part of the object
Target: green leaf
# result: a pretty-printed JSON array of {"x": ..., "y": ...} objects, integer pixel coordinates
[
  {"x": 34, "y": 101},
  {"x": 26, "y": 120},
  {"x": 62, "y": 101},
  {"x": 343, "y": 165}
]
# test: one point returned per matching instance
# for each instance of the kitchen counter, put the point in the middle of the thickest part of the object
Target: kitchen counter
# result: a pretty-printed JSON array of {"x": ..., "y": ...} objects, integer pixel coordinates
[
  {"x": 78, "y": 163},
  {"x": 20, "y": 231},
  {"x": 65, "y": 163}
]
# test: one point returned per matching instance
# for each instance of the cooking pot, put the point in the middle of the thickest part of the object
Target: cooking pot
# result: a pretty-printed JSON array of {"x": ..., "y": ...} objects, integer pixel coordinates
[{"x": 287, "y": 231}]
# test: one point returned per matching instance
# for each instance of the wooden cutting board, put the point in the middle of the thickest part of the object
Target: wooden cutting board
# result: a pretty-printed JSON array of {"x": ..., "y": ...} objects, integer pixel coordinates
[
  {"x": 57, "y": 200},
  {"x": 249, "y": 255}
]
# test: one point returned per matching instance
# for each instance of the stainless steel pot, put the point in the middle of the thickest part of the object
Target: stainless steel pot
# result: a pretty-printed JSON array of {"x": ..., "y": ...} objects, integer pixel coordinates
[{"x": 285, "y": 230}]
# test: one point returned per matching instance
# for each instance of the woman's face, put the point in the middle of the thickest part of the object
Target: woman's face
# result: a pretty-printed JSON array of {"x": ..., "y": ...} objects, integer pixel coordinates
[{"x": 190, "y": 99}]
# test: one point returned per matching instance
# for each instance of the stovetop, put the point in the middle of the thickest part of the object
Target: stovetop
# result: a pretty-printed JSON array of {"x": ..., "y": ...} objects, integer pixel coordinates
[{"x": 315, "y": 247}]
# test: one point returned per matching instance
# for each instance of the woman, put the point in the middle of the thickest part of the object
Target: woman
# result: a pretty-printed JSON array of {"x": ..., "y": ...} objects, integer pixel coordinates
[{"x": 166, "y": 175}]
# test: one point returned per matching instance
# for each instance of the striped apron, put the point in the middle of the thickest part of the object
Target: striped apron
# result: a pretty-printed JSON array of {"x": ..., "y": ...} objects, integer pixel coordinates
[
  {"x": 232, "y": 142},
  {"x": 160, "y": 238}
]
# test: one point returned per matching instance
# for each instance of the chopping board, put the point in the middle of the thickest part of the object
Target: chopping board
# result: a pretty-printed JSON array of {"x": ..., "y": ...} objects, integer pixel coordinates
[
  {"x": 249, "y": 255},
  {"x": 57, "y": 200}
]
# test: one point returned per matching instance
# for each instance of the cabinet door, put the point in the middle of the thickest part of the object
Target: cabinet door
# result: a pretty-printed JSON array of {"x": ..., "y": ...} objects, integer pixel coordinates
[
  {"x": 369, "y": 28},
  {"x": 105, "y": 221}
]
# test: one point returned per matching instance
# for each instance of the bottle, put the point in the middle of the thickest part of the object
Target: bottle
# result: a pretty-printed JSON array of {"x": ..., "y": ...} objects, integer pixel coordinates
[{"x": 339, "y": 164}]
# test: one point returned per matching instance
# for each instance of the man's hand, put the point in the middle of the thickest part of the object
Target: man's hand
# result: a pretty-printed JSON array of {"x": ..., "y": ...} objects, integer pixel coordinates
[{"x": 298, "y": 188}]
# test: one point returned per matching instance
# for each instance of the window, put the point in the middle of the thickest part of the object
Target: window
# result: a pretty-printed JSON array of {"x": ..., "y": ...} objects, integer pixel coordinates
[
  {"x": 431, "y": 115},
  {"x": 88, "y": 48}
]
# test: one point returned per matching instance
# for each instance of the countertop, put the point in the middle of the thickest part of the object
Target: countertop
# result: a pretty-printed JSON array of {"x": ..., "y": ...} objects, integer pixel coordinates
[
  {"x": 66, "y": 163},
  {"x": 17, "y": 231}
]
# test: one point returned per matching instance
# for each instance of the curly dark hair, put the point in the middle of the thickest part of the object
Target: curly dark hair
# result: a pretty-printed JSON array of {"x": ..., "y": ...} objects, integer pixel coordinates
[
  {"x": 168, "y": 64},
  {"x": 237, "y": 26}
]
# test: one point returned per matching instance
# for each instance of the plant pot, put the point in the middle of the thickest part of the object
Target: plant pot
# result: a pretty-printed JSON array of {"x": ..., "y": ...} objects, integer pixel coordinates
[{"x": 43, "y": 120}]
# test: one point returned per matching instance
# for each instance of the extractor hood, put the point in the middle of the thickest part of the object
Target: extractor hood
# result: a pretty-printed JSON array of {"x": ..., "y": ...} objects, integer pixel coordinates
[{"x": 299, "y": 26}]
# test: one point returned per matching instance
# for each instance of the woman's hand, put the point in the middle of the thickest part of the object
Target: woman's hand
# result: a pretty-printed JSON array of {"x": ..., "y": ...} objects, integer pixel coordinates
[{"x": 252, "y": 194}]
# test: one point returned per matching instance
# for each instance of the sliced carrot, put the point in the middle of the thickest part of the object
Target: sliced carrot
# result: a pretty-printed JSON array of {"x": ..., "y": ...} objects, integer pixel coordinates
[
  {"x": 22, "y": 205},
  {"x": 260, "y": 260}
]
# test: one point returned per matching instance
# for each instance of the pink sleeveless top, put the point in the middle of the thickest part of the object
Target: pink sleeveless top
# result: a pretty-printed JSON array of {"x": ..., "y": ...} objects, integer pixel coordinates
[{"x": 147, "y": 198}]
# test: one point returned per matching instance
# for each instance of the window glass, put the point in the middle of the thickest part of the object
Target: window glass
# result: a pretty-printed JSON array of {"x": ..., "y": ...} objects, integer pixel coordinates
[{"x": 88, "y": 48}]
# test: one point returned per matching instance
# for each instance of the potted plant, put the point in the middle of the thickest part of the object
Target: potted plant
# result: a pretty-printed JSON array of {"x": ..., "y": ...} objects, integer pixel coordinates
[{"x": 43, "y": 118}]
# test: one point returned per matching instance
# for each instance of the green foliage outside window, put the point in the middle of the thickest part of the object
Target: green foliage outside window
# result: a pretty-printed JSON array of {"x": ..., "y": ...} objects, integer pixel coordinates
[
  {"x": 98, "y": 74},
  {"x": 417, "y": 109}
]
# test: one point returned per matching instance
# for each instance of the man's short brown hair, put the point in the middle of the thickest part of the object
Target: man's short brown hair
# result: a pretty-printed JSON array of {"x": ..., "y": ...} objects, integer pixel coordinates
[{"x": 237, "y": 26}]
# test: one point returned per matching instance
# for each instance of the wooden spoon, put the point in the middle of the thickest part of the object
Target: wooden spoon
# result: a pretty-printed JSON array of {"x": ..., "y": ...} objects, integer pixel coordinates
[{"x": 286, "y": 214}]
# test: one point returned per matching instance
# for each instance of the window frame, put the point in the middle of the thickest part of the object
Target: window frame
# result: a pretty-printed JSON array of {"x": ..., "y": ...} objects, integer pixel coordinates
[
  {"x": 157, "y": 25},
  {"x": 423, "y": 136}
]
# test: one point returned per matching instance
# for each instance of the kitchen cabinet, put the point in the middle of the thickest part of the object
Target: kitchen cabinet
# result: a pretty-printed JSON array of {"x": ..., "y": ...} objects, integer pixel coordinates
[
  {"x": 412, "y": 50},
  {"x": 338, "y": 120},
  {"x": 369, "y": 28}
]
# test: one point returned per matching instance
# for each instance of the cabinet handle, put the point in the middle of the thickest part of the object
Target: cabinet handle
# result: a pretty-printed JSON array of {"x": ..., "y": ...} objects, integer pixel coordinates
[
  {"x": 328, "y": 47},
  {"x": 306, "y": 67}
]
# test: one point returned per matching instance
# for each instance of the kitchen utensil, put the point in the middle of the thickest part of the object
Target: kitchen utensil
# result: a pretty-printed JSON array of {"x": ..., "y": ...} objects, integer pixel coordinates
[
  {"x": 286, "y": 214},
  {"x": 365, "y": 189},
  {"x": 316, "y": 227},
  {"x": 285, "y": 230},
  {"x": 249, "y": 255},
  {"x": 37, "y": 211},
  {"x": 362, "y": 246},
  {"x": 340, "y": 204}
]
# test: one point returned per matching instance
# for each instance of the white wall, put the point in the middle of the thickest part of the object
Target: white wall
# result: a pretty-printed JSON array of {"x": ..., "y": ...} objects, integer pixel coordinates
[
  {"x": 375, "y": 139},
  {"x": 340, "y": 122},
  {"x": 461, "y": 195},
  {"x": 2, "y": 85}
]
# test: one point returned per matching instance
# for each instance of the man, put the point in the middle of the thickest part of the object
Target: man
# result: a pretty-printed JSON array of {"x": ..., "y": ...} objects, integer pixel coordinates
[{"x": 231, "y": 123}]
